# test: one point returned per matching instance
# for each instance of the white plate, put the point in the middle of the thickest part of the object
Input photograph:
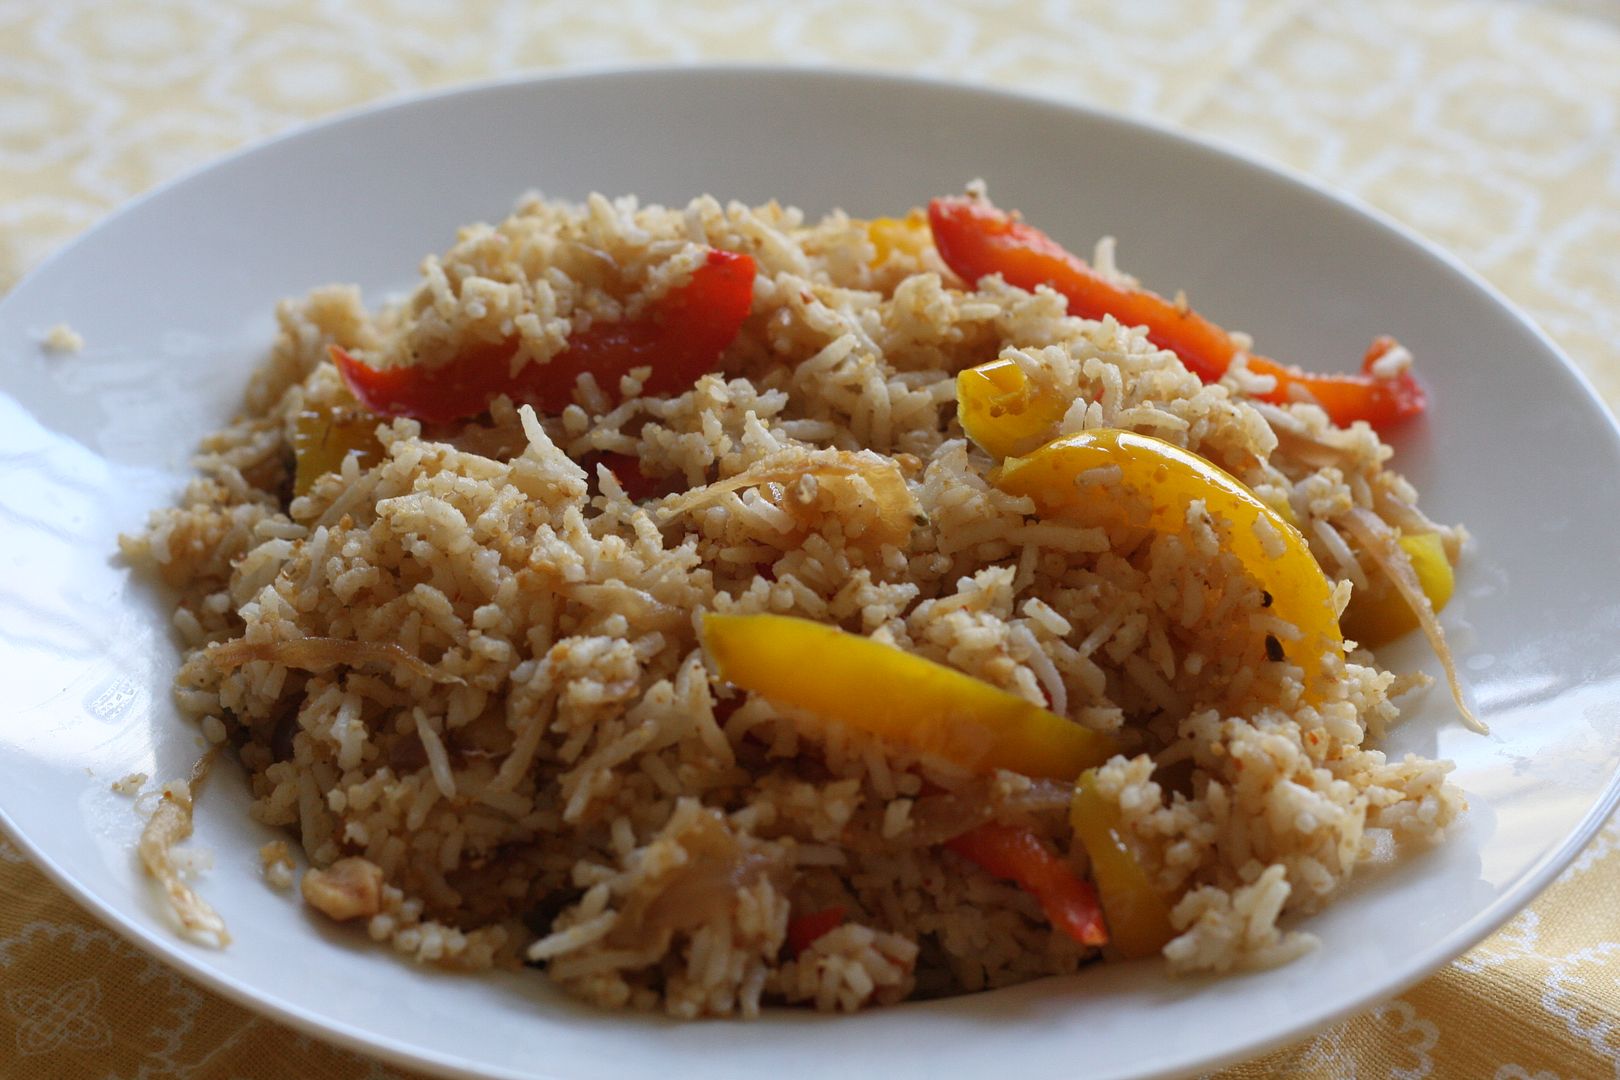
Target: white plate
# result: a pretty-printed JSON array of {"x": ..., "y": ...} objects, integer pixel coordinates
[{"x": 174, "y": 297}]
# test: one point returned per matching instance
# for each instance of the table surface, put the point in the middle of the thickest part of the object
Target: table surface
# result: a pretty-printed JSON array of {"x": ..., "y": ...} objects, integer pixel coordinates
[{"x": 1488, "y": 125}]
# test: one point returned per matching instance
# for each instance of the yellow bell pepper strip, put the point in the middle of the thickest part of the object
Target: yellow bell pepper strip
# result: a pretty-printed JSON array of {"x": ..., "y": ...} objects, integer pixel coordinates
[
  {"x": 681, "y": 337},
  {"x": 1002, "y": 411},
  {"x": 322, "y": 438},
  {"x": 1007, "y": 851},
  {"x": 805, "y": 930},
  {"x": 891, "y": 235},
  {"x": 1378, "y": 616},
  {"x": 976, "y": 240},
  {"x": 1165, "y": 478},
  {"x": 1138, "y": 917},
  {"x": 895, "y": 695}
]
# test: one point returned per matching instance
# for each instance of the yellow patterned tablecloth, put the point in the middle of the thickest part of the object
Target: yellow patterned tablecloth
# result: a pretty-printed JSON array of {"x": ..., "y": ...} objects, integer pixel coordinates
[{"x": 1489, "y": 125}]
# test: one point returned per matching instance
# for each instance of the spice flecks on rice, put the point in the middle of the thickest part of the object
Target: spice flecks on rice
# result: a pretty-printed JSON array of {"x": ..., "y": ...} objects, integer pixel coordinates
[{"x": 462, "y": 666}]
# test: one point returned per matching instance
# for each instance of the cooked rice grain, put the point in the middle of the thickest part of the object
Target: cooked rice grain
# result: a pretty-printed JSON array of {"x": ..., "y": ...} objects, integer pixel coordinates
[{"x": 516, "y": 732}]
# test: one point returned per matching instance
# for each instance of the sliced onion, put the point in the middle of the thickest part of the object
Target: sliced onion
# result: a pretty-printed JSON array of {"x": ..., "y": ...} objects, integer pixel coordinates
[
  {"x": 936, "y": 818},
  {"x": 1311, "y": 450},
  {"x": 322, "y": 653},
  {"x": 166, "y": 829},
  {"x": 1379, "y": 541},
  {"x": 701, "y": 889},
  {"x": 1410, "y": 520},
  {"x": 896, "y": 508}
]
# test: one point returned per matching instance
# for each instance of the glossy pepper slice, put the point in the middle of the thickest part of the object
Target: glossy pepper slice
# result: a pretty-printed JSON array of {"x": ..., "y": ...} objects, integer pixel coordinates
[
  {"x": 322, "y": 438},
  {"x": 681, "y": 337},
  {"x": 1138, "y": 917},
  {"x": 1165, "y": 478},
  {"x": 897, "y": 696},
  {"x": 1376, "y": 617},
  {"x": 1006, "y": 851},
  {"x": 1002, "y": 411},
  {"x": 908, "y": 235},
  {"x": 805, "y": 930},
  {"x": 976, "y": 240}
]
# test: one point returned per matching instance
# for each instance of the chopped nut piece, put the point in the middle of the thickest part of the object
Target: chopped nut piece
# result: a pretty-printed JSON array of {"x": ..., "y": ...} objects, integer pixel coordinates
[{"x": 348, "y": 889}]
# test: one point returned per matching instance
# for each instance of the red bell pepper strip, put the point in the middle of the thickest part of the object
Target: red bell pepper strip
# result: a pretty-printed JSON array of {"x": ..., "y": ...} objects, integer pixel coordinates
[
  {"x": 976, "y": 239},
  {"x": 1006, "y": 851},
  {"x": 1383, "y": 400},
  {"x": 681, "y": 337},
  {"x": 805, "y": 930}
]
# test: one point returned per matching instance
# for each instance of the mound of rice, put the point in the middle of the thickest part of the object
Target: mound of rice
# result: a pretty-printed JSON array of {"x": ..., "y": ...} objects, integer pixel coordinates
[{"x": 529, "y": 760}]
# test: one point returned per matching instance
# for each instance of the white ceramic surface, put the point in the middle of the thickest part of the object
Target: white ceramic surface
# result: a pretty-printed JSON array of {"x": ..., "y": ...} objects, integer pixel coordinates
[{"x": 174, "y": 296}]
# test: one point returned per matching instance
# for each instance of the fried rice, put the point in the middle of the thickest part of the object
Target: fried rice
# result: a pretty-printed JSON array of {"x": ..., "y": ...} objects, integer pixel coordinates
[{"x": 466, "y": 672}]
